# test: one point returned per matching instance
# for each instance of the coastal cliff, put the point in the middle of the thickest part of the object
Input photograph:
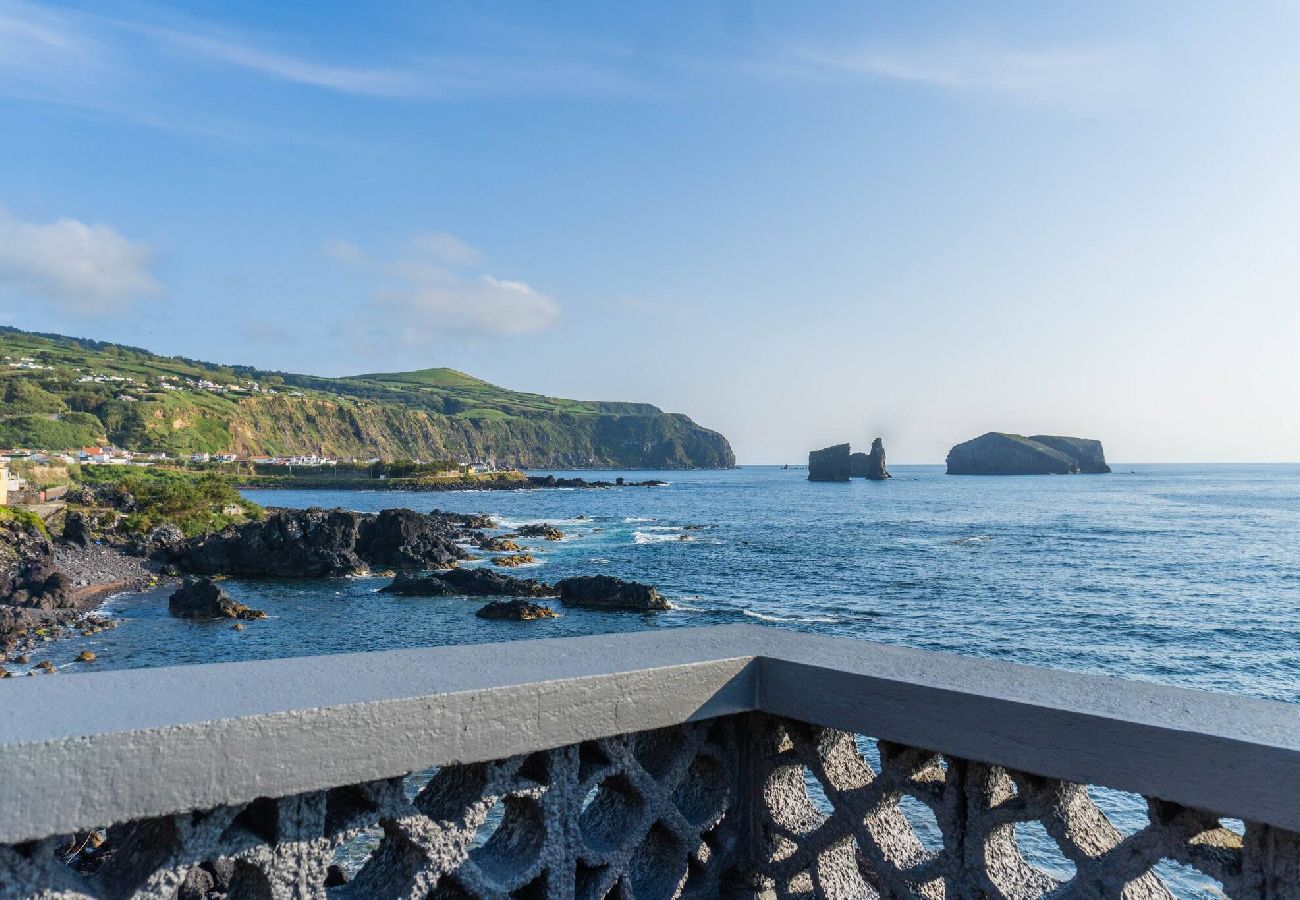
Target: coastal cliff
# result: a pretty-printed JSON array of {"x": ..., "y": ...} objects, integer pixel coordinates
[
  {"x": 830, "y": 464},
  {"x": 1000, "y": 453},
  {"x": 62, "y": 392}
]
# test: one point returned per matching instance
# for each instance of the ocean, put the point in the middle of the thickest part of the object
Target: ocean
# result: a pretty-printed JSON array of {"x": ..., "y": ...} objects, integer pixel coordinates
[{"x": 1186, "y": 575}]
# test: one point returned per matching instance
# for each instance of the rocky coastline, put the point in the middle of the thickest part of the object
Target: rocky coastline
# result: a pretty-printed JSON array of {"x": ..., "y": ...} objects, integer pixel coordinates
[
  {"x": 50, "y": 584},
  {"x": 50, "y": 590},
  {"x": 505, "y": 483}
]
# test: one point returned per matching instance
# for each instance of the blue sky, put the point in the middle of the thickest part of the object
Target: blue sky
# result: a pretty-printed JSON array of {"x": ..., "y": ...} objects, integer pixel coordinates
[{"x": 797, "y": 223}]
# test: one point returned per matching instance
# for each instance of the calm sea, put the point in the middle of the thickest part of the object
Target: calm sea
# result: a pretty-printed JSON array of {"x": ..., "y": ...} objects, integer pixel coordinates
[{"x": 1187, "y": 575}]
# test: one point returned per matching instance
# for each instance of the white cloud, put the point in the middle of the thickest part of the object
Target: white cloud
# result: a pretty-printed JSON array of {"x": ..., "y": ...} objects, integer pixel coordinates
[
  {"x": 78, "y": 268},
  {"x": 427, "y": 293}
]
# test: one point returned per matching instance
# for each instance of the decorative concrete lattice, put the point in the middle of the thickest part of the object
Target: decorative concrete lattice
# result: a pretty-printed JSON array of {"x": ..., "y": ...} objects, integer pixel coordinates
[
  {"x": 635, "y": 816},
  {"x": 857, "y": 840},
  {"x": 743, "y": 806}
]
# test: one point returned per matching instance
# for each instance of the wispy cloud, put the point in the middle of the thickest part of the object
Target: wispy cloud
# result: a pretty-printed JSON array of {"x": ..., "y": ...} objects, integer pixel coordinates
[
  {"x": 1045, "y": 74},
  {"x": 94, "y": 60},
  {"x": 245, "y": 53},
  {"x": 77, "y": 268},
  {"x": 432, "y": 290}
]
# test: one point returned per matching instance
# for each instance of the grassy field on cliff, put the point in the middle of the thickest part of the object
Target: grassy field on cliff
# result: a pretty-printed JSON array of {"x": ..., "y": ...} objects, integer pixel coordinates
[{"x": 60, "y": 392}]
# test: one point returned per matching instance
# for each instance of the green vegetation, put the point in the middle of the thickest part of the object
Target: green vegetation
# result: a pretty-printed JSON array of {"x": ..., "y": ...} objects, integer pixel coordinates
[
  {"x": 23, "y": 395},
  {"x": 194, "y": 501},
  {"x": 47, "y": 432},
  {"x": 70, "y": 392},
  {"x": 23, "y": 518}
]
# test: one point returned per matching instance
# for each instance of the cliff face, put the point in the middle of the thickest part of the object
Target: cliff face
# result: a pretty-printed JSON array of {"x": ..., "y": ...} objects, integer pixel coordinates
[
  {"x": 998, "y": 453},
  {"x": 1087, "y": 453},
  {"x": 85, "y": 392},
  {"x": 830, "y": 464},
  {"x": 647, "y": 440}
]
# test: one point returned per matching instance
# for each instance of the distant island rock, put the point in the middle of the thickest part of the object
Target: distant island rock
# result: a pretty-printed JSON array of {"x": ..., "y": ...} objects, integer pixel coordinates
[
  {"x": 1000, "y": 453},
  {"x": 830, "y": 464},
  {"x": 870, "y": 466},
  {"x": 838, "y": 464}
]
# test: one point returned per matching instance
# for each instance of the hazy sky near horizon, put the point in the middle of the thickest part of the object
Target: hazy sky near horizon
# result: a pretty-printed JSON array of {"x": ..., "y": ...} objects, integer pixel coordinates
[{"x": 797, "y": 223}]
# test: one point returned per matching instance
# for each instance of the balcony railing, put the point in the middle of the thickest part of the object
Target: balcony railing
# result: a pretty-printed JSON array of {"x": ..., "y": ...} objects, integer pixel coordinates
[{"x": 728, "y": 761}]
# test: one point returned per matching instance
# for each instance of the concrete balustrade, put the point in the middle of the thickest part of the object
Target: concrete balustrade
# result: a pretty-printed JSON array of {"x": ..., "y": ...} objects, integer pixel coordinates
[{"x": 668, "y": 762}]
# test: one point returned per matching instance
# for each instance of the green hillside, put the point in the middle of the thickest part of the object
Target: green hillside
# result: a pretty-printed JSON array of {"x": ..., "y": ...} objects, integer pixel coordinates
[{"x": 58, "y": 392}]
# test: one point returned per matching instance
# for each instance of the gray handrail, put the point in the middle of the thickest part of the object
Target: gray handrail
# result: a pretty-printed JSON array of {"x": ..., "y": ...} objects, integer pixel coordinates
[{"x": 85, "y": 750}]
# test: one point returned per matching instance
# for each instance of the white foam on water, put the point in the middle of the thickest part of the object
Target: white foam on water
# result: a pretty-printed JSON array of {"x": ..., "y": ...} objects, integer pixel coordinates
[
  {"x": 767, "y": 617},
  {"x": 641, "y": 537},
  {"x": 630, "y": 519}
]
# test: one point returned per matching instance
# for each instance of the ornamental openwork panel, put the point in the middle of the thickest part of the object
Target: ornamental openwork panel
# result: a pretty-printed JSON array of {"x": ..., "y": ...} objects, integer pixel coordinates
[
  {"x": 635, "y": 816},
  {"x": 741, "y": 806},
  {"x": 846, "y": 817}
]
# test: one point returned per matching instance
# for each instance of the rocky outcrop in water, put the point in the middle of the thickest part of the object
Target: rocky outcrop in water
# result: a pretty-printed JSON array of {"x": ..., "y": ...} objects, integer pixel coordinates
[
  {"x": 541, "y": 530},
  {"x": 516, "y": 610},
  {"x": 830, "y": 464},
  {"x": 607, "y": 592},
  {"x": 514, "y": 560},
  {"x": 550, "y": 481},
  {"x": 203, "y": 598},
  {"x": 296, "y": 543},
  {"x": 466, "y": 583},
  {"x": 870, "y": 465},
  {"x": 1000, "y": 453}
]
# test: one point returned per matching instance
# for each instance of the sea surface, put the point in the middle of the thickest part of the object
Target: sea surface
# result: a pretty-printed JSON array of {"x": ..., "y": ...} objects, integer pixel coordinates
[{"x": 1185, "y": 575}]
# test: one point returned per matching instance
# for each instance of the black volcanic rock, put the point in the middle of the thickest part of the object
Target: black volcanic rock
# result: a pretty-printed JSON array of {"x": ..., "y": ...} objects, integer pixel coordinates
[
  {"x": 466, "y": 583},
  {"x": 516, "y": 610},
  {"x": 297, "y": 543},
  {"x": 830, "y": 464},
  {"x": 999, "y": 453},
  {"x": 405, "y": 539},
  {"x": 607, "y": 592},
  {"x": 203, "y": 598},
  {"x": 29, "y": 577}
]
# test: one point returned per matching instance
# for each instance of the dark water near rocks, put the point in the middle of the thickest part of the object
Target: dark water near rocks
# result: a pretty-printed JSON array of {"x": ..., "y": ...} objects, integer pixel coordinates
[{"x": 1187, "y": 575}]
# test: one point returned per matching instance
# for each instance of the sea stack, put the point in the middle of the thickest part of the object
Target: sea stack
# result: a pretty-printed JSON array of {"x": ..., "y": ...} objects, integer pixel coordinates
[
  {"x": 876, "y": 470},
  {"x": 830, "y": 464},
  {"x": 870, "y": 465},
  {"x": 1000, "y": 453}
]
